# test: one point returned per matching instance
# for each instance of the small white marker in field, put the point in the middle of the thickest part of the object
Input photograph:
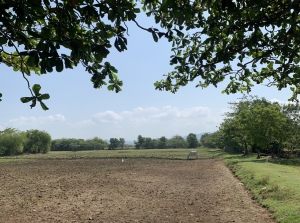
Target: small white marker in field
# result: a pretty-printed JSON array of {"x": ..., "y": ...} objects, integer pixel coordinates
[{"x": 122, "y": 160}]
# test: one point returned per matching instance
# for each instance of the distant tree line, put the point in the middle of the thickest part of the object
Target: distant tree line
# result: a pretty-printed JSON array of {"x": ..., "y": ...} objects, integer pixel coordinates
[
  {"x": 176, "y": 141},
  {"x": 15, "y": 142},
  {"x": 72, "y": 144},
  {"x": 258, "y": 125}
]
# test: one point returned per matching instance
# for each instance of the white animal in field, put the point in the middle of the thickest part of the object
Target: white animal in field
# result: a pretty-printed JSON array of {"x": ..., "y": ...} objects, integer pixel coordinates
[{"x": 193, "y": 153}]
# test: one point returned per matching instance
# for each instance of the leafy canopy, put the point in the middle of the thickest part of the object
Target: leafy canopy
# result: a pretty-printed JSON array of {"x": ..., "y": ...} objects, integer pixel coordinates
[{"x": 244, "y": 42}]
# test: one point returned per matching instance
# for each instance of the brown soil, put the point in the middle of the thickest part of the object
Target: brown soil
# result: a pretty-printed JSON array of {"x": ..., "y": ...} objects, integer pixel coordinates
[{"x": 136, "y": 190}]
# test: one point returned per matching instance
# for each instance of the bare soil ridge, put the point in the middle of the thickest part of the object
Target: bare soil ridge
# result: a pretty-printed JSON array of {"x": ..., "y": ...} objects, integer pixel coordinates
[{"x": 136, "y": 190}]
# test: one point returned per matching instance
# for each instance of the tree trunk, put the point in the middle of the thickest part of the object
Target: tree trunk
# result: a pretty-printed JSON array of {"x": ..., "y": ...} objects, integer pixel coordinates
[
  {"x": 258, "y": 154},
  {"x": 246, "y": 151}
]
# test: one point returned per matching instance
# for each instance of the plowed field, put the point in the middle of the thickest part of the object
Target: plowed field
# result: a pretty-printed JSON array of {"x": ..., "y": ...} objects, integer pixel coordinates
[{"x": 136, "y": 190}]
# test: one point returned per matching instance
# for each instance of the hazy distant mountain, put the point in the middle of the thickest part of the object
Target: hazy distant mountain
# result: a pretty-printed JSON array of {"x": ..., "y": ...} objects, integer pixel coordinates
[{"x": 129, "y": 142}]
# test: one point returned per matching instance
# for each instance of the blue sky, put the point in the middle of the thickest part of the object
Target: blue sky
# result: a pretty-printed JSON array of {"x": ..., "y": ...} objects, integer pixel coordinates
[{"x": 77, "y": 110}]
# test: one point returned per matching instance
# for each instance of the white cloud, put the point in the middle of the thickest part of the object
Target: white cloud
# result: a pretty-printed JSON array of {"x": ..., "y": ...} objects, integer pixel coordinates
[
  {"x": 106, "y": 117},
  {"x": 38, "y": 120},
  {"x": 137, "y": 117},
  {"x": 140, "y": 110},
  {"x": 56, "y": 118},
  {"x": 187, "y": 113},
  {"x": 151, "y": 122},
  {"x": 84, "y": 123},
  {"x": 281, "y": 102}
]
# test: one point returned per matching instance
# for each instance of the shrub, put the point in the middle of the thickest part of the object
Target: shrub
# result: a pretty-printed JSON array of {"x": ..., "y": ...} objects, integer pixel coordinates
[
  {"x": 12, "y": 141},
  {"x": 37, "y": 141}
]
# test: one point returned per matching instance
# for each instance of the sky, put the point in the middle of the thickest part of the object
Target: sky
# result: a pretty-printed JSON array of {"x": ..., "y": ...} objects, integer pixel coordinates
[{"x": 77, "y": 110}]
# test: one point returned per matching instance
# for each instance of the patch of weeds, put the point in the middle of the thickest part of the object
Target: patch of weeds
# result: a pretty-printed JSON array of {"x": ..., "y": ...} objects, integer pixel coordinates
[
  {"x": 282, "y": 194},
  {"x": 289, "y": 162},
  {"x": 276, "y": 193},
  {"x": 264, "y": 181}
]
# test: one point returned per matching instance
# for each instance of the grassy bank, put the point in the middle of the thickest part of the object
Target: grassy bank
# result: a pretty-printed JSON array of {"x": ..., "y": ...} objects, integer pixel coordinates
[{"x": 274, "y": 184}]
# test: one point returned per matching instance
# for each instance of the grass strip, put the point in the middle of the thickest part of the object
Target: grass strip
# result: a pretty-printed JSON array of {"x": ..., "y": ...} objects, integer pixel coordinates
[
  {"x": 180, "y": 154},
  {"x": 274, "y": 184}
]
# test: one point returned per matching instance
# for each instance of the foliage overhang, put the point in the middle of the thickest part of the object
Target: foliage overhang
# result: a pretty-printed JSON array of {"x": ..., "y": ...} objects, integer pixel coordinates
[{"x": 245, "y": 42}]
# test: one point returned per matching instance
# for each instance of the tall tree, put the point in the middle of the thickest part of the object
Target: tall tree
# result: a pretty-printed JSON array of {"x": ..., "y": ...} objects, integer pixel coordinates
[
  {"x": 262, "y": 125},
  {"x": 149, "y": 143},
  {"x": 122, "y": 143},
  {"x": 212, "y": 41},
  {"x": 113, "y": 143},
  {"x": 139, "y": 144},
  {"x": 162, "y": 142},
  {"x": 231, "y": 136},
  {"x": 192, "y": 140},
  {"x": 209, "y": 140},
  {"x": 95, "y": 143},
  {"x": 291, "y": 138},
  {"x": 177, "y": 141},
  {"x": 253, "y": 123}
]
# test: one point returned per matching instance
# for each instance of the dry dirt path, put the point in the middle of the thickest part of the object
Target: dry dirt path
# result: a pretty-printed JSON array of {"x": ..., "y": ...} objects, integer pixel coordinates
[{"x": 137, "y": 190}]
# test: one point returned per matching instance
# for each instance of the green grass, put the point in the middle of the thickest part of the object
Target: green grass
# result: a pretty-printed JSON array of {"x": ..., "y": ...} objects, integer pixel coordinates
[
  {"x": 275, "y": 185},
  {"x": 102, "y": 154},
  {"x": 5, "y": 160}
]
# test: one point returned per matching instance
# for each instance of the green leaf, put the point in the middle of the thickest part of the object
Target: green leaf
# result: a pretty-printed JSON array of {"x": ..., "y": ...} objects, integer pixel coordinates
[
  {"x": 31, "y": 61},
  {"x": 36, "y": 60},
  {"x": 41, "y": 46},
  {"x": 173, "y": 61},
  {"x": 3, "y": 40},
  {"x": 154, "y": 36},
  {"x": 111, "y": 87},
  {"x": 117, "y": 45},
  {"x": 34, "y": 34},
  {"x": 26, "y": 99},
  {"x": 46, "y": 33},
  {"x": 68, "y": 63},
  {"x": 36, "y": 89},
  {"x": 43, "y": 67},
  {"x": 44, "y": 96},
  {"x": 270, "y": 65},
  {"x": 59, "y": 65},
  {"x": 179, "y": 33},
  {"x": 164, "y": 6},
  {"x": 33, "y": 103},
  {"x": 46, "y": 2},
  {"x": 122, "y": 42},
  {"x": 44, "y": 107}
]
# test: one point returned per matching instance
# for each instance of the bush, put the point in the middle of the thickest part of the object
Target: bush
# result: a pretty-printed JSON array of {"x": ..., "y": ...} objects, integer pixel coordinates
[
  {"x": 37, "y": 141},
  {"x": 12, "y": 141}
]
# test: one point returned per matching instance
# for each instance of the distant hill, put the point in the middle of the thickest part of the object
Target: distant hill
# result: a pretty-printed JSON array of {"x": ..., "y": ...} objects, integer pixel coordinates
[{"x": 129, "y": 142}]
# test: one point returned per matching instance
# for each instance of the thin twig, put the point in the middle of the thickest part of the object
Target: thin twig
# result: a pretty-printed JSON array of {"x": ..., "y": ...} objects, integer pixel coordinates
[
  {"x": 23, "y": 62},
  {"x": 140, "y": 26},
  {"x": 126, "y": 29}
]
